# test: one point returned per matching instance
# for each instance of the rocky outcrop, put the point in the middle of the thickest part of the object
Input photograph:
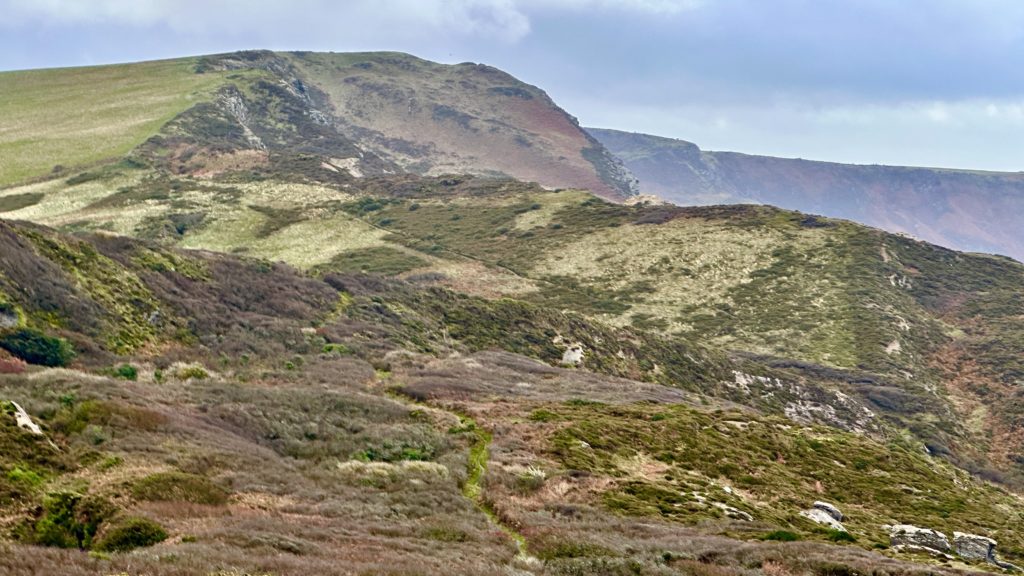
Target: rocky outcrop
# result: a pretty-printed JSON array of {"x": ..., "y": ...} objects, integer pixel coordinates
[
  {"x": 979, "y": 549},
  {"x": 24, "y": 420},
  {"x": 825, "y": 513},
  {"x": 908, "y": 537},
  {"x": 573, "y": 354},
  {"x": 970, "y": 547},
  {"x": 974, "y": 547}
]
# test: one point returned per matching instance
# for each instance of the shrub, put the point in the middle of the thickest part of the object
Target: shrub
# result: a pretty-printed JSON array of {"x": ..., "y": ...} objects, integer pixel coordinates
[
  {"x": 10, "y": 365},
  {"x": 129, "y": 534},
  {"x": 179, "y": 487},
  {"x": 126, "y": 372},
  {"x": 191, "y": 373},
  {"x": 25, "y": 477},
  {"x": 446, "y": 534},
  {"x": 339, "y": 349},
  {"x": 531, "y": 480},
  {"x": 35, "y": 347},
  {"x": 840, "y": 536},
  {"x": 552, "y": 550},
  {"x": 781, "y": 536},
  {"x": 69, "y": 520},
  {"x": 541, "y": 415}
]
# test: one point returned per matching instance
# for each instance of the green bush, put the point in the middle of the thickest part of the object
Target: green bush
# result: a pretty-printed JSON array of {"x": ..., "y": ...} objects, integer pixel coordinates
[
  {"x": 35, "y": 347},
  {"x": 126, "y": 372},
  {"x": 69, "y": 520},
  {"x": 840, "y": 536},
  {"x": 192, "y": 373},
  {"x": 781, "y": 536},
  {"x": 339, "y": 349},
  {"x": 129, "y": 534},
  {"x": 25, "y": 477},
  {"x": 179, "y": 487}
]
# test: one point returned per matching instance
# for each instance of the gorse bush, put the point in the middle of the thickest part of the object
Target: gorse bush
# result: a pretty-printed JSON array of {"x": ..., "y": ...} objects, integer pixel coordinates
[
  {"x": 69, "y": 520},
  {"x": 179, "y": 487},
  {"x": 781, "y": 536},
  {"x": 130, "y": 533},
  {"x": 126, "y": 372},
  {"x": 35, "y": 347}
]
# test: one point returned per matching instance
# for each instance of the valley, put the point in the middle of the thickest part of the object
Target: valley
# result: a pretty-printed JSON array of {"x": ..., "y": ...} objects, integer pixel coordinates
[{"x": 366, "y": 314}]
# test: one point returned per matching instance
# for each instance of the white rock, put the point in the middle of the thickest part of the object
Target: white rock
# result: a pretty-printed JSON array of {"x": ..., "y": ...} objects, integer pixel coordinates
[
  {"x": 24, "y": 420},
  {"x": 830, "y": 509},
  {"x": 573, "y": 355},
  {"x": 913, "y": 537},
  {"x": 974, "y": 547},
  {"x": 822, "y": 517},
  {"x": 733, "y": 512}
]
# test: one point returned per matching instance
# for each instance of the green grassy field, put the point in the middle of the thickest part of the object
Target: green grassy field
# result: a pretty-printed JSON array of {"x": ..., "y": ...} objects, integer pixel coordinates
[{"x": 79, "y": 116}]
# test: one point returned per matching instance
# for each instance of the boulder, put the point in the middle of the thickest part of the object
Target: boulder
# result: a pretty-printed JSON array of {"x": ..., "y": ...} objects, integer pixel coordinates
[
  {"x": 974, "y": 547},
  {"x": 573, "y": 355},
  {"x": 24, "y": 420},
  {"x": 908, "y": 537},
  {"x": 829, "y": 509},
  {"x": 822, "y": 517}
]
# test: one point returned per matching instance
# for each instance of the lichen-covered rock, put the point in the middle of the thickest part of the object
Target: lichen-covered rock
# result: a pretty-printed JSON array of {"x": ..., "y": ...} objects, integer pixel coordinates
[
  {"x": 823, "y": 517},
  {"x": 829, "y": 509},
  {"x": 974, "y": 547},
  {"x": 906, "y": 536},
  {"x": 573, "y": 355}
]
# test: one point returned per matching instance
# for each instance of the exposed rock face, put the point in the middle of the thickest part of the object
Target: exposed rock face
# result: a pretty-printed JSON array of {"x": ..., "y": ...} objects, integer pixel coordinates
[
  {"x": 908, "y": 537},
  {"x": 825, "y": 513},
  {"x": 974, "y": 547}
]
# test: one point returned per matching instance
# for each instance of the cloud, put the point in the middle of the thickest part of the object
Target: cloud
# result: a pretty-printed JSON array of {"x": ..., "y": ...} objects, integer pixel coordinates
[{"x": 504, "y": 20}]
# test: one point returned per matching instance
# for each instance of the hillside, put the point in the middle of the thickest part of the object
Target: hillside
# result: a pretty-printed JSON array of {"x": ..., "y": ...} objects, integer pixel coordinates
[
  {"x": 965, "y": 210},
  {"x": 229, "y": 412},
  {"x": 417, "y": 116},
  {"x": 271, "y": 329}
]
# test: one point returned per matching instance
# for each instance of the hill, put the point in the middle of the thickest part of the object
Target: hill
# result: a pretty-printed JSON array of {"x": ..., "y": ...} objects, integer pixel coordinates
[
  {"x": 417, "y": 116},
  {"x": 966, "y": 210},
  {"x": 268, "y": 332},
  {"x": 226, "y": 412}
]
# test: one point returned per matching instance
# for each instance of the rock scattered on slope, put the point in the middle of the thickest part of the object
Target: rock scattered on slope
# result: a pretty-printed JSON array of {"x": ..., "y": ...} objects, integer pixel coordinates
[
  {"x": 978, "y": 548},
  {"x": 825, "y": 513},
  {"x": 906, "y": 537},
  {"x": 573, "y": 355},
  {"x": 24, "y": 420}
]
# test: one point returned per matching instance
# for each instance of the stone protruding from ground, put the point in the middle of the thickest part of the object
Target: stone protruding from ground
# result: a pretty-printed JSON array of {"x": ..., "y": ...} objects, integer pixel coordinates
[
  {"x": 908, "y": 537},
  {"x": 974, "y": 547},
  {"x": 830, "y": 509},
  {"x": 978, "y": 548},
  {"x": 24, "y": 420},
  {"x": 573, "y": 355},
  {"x": 827, "y": 514}
]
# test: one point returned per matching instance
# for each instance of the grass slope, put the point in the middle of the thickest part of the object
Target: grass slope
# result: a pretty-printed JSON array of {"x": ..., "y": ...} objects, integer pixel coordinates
[{"x": 79, "y": 116}]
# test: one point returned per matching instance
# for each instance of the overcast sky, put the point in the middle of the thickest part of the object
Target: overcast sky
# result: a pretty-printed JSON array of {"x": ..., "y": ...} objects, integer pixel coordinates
[{"x": 918, "y": 82}]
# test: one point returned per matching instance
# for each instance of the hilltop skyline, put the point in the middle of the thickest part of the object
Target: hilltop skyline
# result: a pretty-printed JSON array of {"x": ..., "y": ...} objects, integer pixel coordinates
[{"x": 914, "y": 83}]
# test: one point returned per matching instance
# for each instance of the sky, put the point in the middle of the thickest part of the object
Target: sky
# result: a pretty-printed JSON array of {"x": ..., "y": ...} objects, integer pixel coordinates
[{"x": 909, "y": 82}]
